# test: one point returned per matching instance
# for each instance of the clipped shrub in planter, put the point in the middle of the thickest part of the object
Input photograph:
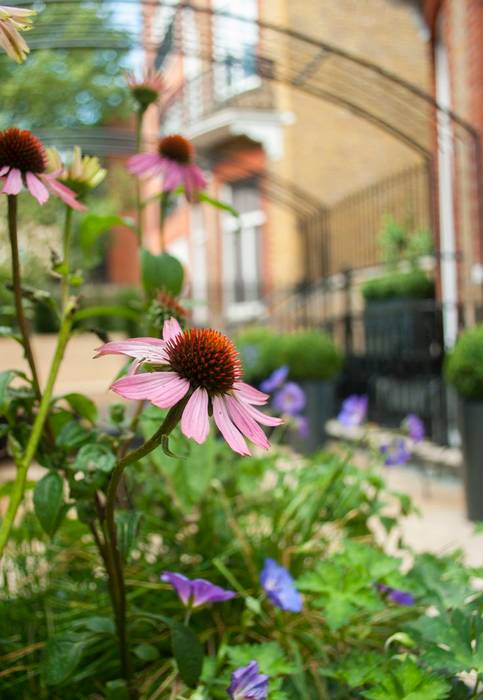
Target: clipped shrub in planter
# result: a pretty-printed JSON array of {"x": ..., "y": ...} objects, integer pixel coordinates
[
  {"x": 314, "y": 362},
  {"x": 464, "y": 370},
  {"x": 260, "y": 352},
  {"x": 395, "y": 320}
]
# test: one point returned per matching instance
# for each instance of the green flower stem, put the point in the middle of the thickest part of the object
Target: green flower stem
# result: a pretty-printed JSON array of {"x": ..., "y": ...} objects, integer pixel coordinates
[
  {"x": 17, "y": 291},
  {"x": 37, "y": 428},
  {"x": 66, "y": 256},
  {"x": 164, "y": 211},
  {"x": 139, "y": 207},
  {"x": 114, "y": 563}
]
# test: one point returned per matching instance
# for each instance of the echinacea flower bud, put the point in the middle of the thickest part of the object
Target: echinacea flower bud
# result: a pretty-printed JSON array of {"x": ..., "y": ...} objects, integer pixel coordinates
[
  {"x": 81, "y": 173},
  {"x": 163, "y": 308},
  {"x": 146, "y": 90},
  {"x": 14, "y": 20}
]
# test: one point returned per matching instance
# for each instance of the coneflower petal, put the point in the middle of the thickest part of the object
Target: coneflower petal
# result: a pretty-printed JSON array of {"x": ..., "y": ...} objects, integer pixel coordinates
[
  {"x": 227, "y": 428},
  {"x": 149, "y": 349},
  {"x": 36, "y": 188},
  {"x": 171, "y": 329},
  {"x": 245, "y": 423},
  {"x": 13, "y": 183},
  {"x": 194, "y": 421},
  {"x": 250, "y": 394},
  {"x": 262, "y": 418}
]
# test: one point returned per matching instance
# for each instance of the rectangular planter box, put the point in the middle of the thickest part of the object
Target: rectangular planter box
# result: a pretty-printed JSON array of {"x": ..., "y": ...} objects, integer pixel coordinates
[
  {"x": 471, "y": 425},
  {"x": 320, "y": 407}
]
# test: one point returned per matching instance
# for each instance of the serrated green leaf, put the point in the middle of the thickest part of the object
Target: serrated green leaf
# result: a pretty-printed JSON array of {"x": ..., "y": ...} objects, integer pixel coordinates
[
  {"x": 270, "y": 657},
  {"x": 452, "y": 642},
  {"x": 49, "y": 502},
  {"x": 85, "y": 407},
  {"x": 408, "y": 682}
]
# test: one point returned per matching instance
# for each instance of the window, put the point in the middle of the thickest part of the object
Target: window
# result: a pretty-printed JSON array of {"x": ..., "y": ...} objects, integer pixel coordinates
[
  {"x": 242, "y": 252},
  {"x": 235, "y": 39}
]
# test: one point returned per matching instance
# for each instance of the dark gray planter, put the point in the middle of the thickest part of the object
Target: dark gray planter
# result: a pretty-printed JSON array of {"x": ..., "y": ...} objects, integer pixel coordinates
[
  {"x": 471, "y": 426},
  {"x": 320, "y": 407},
  {"x": 400, "y": 326}
]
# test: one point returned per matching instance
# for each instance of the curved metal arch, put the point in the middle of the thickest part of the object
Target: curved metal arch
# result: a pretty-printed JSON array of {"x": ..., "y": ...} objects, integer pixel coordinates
[{"x": 316, "y": 67}]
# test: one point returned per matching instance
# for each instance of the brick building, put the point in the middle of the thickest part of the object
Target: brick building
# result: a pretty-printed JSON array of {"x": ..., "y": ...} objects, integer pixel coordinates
[{"x": 250, "y": 124}]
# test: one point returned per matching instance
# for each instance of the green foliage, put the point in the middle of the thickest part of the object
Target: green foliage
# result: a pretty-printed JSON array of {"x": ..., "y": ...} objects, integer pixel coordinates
[
  {"x": 49, "y": 502},
  {"x": 407, "y": 681},
  {"x": 188, "y": 653},
  {"x": 84, "y": 87},
  {"x": 464, "y": 365},
  {"x": 399, "y": 285},
  {"x": 398, "y": 243},
  {"x": 309, "y": 354},
  {"x": 161, "y": 272}
]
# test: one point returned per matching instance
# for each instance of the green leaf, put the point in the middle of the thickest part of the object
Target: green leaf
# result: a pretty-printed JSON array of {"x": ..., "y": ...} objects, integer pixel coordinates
[
  {"x": 100, "y": 625},
  {"x": 409, "y": 682},
  {"x": 8, "y": 332},
  {"x": 117, "y": 690},
  {"x": 270, "y": 656},
  {"x": 146, "y": 652},
  {"x": 127, "y": 524},
  {"x": 95, "y": 311},
  {"x": 223, "y": 206},
  {"x": 85, "y": 407},
  {"x": 61, "y": 658},
  {"x": 49, "y": 502},
  {"x": 92, "y": 458},
  {"x": 453, "y": 642},
  {"x": 72, "y": 435},
  {"x": 93, "y": 226},
  {"x": 188, "y": 653},
  {"x": 5, "y": 379},
  {"x": 161, "y": 272}
]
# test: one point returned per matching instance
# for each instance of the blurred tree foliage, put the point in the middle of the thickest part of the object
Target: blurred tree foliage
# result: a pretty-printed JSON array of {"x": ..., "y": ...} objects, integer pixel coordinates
[{"x": 66, "y": 88}]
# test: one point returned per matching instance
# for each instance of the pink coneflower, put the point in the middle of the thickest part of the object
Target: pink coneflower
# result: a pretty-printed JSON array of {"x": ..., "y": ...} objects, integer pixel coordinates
[
  {"x": 145, "y": 90},
  {"x": 201, "y": 364},
  {"x": 23, "y": 163},
  {"x": 14, "y": 20},
  {"x": 175, "y": 162}
]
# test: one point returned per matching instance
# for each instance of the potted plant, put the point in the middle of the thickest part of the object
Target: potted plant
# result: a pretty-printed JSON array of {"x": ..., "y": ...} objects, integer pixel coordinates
[
  {"x": 260, "y": 352},
  {"x": 395, "y": 319},
  {"x": 313, "y": 363},
  {"x": 464, "y": 370}
]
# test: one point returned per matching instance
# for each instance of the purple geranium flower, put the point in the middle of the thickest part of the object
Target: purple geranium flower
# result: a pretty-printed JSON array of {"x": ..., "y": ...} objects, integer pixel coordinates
[
  {"x": 353, "y": 411},
  {"x": 275, "y": 380},
  {"x": 395, "y": 595},
  {"x": 290, "y": 399},
  {"x": 396, "y": 453},
  {"x": 196, "y": 592},
  {"x": 415, "y": 427},
  {"x": 279, "y": 587},
  {"x": 248, "y": 684}
]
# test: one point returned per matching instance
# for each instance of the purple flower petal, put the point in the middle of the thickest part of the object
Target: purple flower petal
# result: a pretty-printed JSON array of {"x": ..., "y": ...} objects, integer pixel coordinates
[
  {"x": 196, "y": 592},
  {"x": 279, "y": 586},
  {"x": 415, "y": 427},
  {"x": 353, "y": 411},
  {"x": 275, "y": 380},
  {"x": 395, "y": 595},
  {"x": 248, "y": 684},
  {"x": 396, "y": 453},
  {"x": 290, "y": 399}
]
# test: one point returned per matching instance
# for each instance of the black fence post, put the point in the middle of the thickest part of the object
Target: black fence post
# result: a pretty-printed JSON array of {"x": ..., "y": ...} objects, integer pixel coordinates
[{"x": 348, "y": 315}]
